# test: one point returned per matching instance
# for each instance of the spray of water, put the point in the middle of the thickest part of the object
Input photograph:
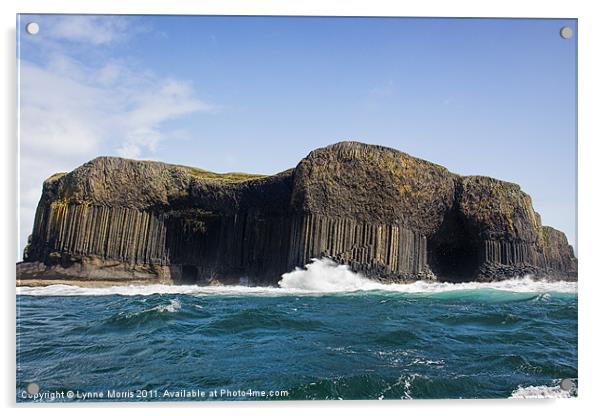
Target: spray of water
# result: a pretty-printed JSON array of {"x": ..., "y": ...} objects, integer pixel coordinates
[{"x": 324, "y": 275}]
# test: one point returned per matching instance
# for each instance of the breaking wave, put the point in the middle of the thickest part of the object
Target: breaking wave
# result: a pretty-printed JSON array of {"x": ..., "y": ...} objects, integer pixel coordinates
[
  {"x": 141, "y": 316},
  {"x": 324, "y": 275},
  {"x": 321, "y": 276},
  {"x": 173, "y": 306},
  {"x": 541, "y": 392}
]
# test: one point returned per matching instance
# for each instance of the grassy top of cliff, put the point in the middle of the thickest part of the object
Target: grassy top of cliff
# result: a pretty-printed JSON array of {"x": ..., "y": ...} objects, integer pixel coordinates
[
  {"x": 230, "y": 177},
  {"x": 226, "y": 177},
  {"x": 55, "y": 176}
]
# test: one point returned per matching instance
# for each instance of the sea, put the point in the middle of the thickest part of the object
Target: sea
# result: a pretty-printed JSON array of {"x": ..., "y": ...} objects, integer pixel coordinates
[{"x": 325, "y": 333}]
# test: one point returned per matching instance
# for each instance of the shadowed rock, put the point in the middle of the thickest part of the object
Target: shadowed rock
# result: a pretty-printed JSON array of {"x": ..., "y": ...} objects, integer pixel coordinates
[{"x": 387, "y": 214}]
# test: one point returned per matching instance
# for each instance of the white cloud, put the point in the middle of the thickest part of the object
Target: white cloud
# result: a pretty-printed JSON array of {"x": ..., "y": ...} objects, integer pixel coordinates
[
  {"x": 63, "y": 116},
  {"x": 168, "y": 100},
  {"x": 71, "y": 111},
  {"x": 96, "y": 30}
]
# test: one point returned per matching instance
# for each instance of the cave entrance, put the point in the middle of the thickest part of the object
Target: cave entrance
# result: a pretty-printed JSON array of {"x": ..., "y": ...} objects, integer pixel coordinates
[
  {"x": 454, "y": 262},
  {"x": 453, "y": 251},
  {"x": 190, "y": 274}
]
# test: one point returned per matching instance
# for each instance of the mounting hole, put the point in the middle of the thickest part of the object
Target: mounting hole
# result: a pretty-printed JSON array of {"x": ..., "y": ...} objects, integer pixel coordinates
[
  {"x": 32, "y": 28},
  {"x": 33, "y": 388},
  {"x": 567, "y": 384},
  {"x": 566, "y": 32}
]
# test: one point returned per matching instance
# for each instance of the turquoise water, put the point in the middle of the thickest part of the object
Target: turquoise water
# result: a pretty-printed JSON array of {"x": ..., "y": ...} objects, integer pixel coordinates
[{"x": 430, "y": 342}]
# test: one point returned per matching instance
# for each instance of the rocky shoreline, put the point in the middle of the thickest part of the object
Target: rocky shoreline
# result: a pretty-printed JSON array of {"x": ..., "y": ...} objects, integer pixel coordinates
[{"x": 74, "y": 282}]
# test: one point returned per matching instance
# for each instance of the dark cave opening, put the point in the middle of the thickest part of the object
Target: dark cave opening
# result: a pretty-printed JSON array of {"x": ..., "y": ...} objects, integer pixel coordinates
[
  {"x": 190, "y": 274},
  {"x": 454, "y": 262},
  {"x": 453, "y": 251}
]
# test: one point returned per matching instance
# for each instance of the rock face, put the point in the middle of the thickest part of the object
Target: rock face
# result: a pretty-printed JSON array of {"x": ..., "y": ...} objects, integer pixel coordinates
[{"x": 388, "y": 215}]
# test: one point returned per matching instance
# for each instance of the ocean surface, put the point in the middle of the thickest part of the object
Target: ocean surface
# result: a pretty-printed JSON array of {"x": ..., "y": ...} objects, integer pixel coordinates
[{"x": 325, "y": 333}]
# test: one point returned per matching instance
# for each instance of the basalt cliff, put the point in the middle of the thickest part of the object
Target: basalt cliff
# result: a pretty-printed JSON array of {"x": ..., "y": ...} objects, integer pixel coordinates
[{"x": 384, "y": 213}]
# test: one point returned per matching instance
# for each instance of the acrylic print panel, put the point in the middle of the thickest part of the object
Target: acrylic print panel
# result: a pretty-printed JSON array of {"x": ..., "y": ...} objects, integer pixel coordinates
[{"x": 295, "y": 208}]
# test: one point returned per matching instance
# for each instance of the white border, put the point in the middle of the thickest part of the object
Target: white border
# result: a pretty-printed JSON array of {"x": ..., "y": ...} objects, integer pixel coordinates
[{"x": 590, "y": 136}]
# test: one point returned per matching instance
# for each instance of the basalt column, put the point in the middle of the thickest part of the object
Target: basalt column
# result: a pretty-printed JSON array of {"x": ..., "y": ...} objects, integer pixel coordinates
[{"x": 375, "y": 250}]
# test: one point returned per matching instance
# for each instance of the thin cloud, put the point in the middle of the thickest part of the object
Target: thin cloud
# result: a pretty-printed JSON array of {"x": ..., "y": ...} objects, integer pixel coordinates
[
  {"x": 384, "y": 90},
  {"x": 95, "y": 30}
]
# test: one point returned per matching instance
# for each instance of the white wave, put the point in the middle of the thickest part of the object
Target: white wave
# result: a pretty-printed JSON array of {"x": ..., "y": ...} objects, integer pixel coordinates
[
  {"x": 145, "y": 290},
  {"x": 324, "y": 275},
  {"x": 540, "y": 392},
  {"x": 319, "y": 276},
  {"x": 174, "y": 306}
]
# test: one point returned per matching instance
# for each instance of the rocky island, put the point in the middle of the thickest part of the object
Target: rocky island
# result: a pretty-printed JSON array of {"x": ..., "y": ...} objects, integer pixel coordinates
[{"x": 386, "y": 214}]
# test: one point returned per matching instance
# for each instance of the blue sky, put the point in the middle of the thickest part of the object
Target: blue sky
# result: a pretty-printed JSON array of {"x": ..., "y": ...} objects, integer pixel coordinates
[{"x": 492, "y": 97}]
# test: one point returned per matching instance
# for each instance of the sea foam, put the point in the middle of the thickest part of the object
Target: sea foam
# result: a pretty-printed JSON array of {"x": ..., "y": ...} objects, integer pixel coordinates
[
  {"x": 540, "y": 392},
  {"x": 326, "y": 276},
  {"x": 320, "y": 276}
]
